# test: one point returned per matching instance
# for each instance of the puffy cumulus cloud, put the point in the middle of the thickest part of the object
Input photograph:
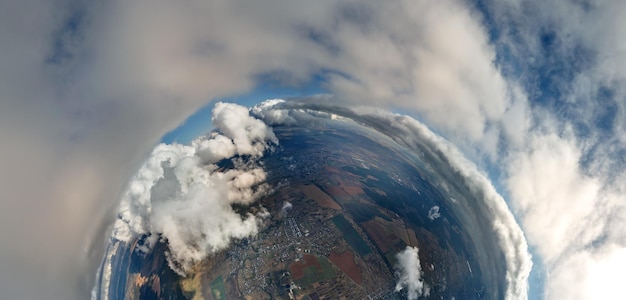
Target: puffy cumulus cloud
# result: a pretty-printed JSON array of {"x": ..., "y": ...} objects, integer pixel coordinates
[
  {"x": 248, "y": 134},
  {"x": 266, "y": 111},
  {"x": 181, "y": 197},
  {"x": 216, "y": 148},
  {"x": 243, "y": 135},
  {"x": 409, "y": 272}
]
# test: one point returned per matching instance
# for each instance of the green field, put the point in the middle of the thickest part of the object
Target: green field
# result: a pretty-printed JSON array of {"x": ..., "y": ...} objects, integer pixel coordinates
[
  {"x": 218, "y": 289},
  {"x": 312, "y": 274},
  {"x": 351, "y": 236}
]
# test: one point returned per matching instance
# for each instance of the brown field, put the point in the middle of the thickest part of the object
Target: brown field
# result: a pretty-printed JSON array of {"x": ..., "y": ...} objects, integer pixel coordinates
[
  {"x": 407, "y": 235},
  {"x": 400, "y": 232},
  {"x": 412, "y": 238},
  {"x": 297, "y": 268},
  {"x": 345, "y": 262},
  {"x": 336, "y": 191},
  {"x": 385, "y": 234},
  {"x": 379, "y": 191},
  {"x": 313, "y": 192},
  {"x": 257, "y": 295},
  {"x": 372, "y": 177},
  {"x": 156, "y": 285},
  {"x": 348, "y": 185},
  {"x": 314, "y": 296},
  {"x": 332, "y": 170},
  {"x": 353, "y": 190},
  {"x": 379, "y": 235}
]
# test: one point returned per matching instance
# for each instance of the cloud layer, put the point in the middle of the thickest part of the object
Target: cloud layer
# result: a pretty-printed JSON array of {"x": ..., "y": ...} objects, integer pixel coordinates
[
  {"x": 181, "y": 196},
  {"x": 522, "y": 87},
  {"x": 566, "y": 181}
]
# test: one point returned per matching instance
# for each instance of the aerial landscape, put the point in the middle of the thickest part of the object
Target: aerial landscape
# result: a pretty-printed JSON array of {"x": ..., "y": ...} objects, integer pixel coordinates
[
  {"x": 345, "y": 201},
  {"x": 333, "y": 149}
]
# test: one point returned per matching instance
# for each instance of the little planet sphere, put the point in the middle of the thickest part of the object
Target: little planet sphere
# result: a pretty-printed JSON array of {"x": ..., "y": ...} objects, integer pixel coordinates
[{"x": 349, "y": 213}]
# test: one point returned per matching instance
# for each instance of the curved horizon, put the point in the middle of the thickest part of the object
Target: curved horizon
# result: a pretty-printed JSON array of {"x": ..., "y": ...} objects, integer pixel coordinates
[{"x": 532, "y": 96}]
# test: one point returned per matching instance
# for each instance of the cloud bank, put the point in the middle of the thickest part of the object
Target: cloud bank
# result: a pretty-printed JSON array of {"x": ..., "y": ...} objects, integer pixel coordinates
[
  {"x": 181, "y": 196},
  {"x": 87, "y": 88}
]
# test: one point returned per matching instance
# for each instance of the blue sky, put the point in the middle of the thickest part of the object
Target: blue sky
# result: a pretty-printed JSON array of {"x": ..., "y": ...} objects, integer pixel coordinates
[{"x": 200, "y": 121}]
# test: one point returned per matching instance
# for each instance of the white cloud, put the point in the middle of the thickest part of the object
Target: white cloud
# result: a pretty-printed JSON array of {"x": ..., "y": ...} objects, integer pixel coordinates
[
  {"x": 83, "y": 103},
  {"x": 409, "y": 273},
  {"x": 215, "y": 149},
  {"x": 402, "y": 59},
  {"x": 185, "y": 200},
  {"x": 433, "y": 213},
  {"x": 597, "y": 275},
  {"x": 271, "y": 116},
  {"x": 549, "y": 191},
  {"x": 248, "y": 134},
  {"x": 287, "y": 206},
  {"x": 566, "y": 179},
  {"x": 570, "y": 216}
]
